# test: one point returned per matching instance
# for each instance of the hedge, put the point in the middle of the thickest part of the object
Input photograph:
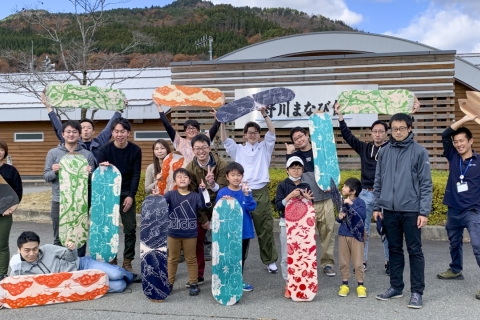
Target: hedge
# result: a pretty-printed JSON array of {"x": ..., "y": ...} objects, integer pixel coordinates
[{"x": 439, "y": 178}]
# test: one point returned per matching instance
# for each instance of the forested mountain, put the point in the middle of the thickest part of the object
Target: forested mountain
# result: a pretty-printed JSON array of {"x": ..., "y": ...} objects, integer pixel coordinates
[{"x": 175, "y": 29}]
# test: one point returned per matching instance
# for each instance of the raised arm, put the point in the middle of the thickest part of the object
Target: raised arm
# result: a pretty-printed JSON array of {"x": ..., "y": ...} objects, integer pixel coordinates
[
  {"x": 447, "y": 133},
  {"x": 168, "y": 127},
  {"x": 268, "y": 121},
  {"x": 56, "y": 123},
  {"x": 347, "y": 135},
  {"x": 106, "y": 134},
  {"x": 213, "y": 130},
  {"x": 223, "y": 132}
]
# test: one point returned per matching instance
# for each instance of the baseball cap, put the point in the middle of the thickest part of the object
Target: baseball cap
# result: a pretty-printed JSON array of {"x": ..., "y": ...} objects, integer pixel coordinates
[{"x": 292, "y": 160}]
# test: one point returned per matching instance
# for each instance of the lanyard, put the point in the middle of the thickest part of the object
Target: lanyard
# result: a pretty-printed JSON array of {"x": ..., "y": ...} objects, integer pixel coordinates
[{"x": 462, "y": 174}]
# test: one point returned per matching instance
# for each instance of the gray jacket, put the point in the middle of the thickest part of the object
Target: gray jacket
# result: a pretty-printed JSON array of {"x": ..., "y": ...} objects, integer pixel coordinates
[
  {"x": 403, "y": 180},
  {"x": 53, "y": 157},
  {"x": 51, "y": 259}
]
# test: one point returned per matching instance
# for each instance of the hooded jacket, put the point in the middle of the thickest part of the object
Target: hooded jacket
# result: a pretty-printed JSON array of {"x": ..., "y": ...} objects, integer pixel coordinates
[
  {"x": 284, "y": 188},
  {"x": 403, "y": 180},
  {"x": 51, "y": 259},
  {"x": 54, "y": 156}
]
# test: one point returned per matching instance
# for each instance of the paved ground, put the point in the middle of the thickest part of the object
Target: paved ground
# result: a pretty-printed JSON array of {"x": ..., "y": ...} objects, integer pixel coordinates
[{"x": 442, "y": 299}]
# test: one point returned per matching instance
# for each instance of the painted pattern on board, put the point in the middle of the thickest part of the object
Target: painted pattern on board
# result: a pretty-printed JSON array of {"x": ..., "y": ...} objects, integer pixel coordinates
[
  {"x": 181, "y": 96},
  {"x": 376, "y": 101}
]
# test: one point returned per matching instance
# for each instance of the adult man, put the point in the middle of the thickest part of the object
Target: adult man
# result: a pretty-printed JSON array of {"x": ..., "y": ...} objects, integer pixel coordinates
[
  {"x": 71, "y": 135},
  {"x": 322, "y": 201},
  {"x": 127, "y": 157},
  {"x": 368, "y": 153},
  {"x": 87, "y": 141},
  {"x": 462, "y": 195},
  {"x": 255, "y": 158},
  {"x": 33, "y": 259},
  {"x": 208, "y": 171},
  {"x": 403, "y": 199}
]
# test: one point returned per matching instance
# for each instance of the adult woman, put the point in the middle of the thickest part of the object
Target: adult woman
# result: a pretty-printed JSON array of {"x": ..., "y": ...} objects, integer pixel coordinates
[
  {"x": 12, "y": 177},
  {"x": 154, "y": 171}
]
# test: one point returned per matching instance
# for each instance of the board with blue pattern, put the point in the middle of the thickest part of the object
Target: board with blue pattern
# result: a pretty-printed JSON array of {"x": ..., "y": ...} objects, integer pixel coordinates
[
  {"x": 153, "y": 247},
  {"x": 105, "y": 213},
  {"x": 324, "y": 150},
  {"x": 227, "y": 230}
]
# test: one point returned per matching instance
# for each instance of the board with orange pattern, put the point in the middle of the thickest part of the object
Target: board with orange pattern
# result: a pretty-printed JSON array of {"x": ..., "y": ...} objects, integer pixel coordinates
[
  {"x": 37, "y": 290},
  {"x": 172, "y": 162},
  {"x": 181, "y": 96}
]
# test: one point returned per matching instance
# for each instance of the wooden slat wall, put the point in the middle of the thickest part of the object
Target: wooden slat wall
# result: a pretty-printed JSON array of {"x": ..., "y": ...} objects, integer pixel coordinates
[
  {"x": 429, "y": 75},
  {"x": 460, "y": 90}
]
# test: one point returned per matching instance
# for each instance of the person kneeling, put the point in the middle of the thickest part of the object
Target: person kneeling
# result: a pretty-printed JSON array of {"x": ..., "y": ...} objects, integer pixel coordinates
[{"x": 35, "y": 259}]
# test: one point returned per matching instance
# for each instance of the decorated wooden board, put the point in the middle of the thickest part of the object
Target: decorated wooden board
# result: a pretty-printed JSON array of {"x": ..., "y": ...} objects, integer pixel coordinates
[
  {"x": 301, "y": 249},
  {"x": 182, "y": 96},
  {"x": 227, "y": 229},
  {"x": 8, "y": 197},
  {"x": 170, "y": 163},
  {"x": 376, "y": 101},
  {"x": 153, "y": 248},
  {"x": 37, "y": 290},
  {"x": 65, "y": 95},
  {"x": 469, "y": 108},
  {"x": 73, "y": 179},
  {"x": 105, "y": 213}
]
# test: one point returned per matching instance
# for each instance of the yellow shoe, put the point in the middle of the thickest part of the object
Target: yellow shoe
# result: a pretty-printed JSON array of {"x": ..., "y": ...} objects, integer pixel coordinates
[
  {"x": 361, "y": 291},
  {"x": 344, "y": 290}
]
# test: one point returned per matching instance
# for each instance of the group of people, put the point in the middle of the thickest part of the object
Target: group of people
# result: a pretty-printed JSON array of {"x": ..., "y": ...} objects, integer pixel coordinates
[{"x": 395, "y": 189}]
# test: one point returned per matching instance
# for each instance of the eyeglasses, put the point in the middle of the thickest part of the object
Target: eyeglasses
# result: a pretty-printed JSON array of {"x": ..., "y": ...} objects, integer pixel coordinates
[
  {"x": 298, "y": 137},
  {"x": 401, "y": 129},
  {"x": 71, "y": 132},
  {"x": 204, "y": 148},
  {"x": 378, "y": 131},
  {"x": 190, "y": 128},
  {"x": 252, "y": 133}
]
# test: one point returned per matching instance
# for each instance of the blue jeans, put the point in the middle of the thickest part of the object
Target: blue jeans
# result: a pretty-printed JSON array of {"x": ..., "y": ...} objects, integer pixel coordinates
[
  {"x": 118, "y": 277},
  {"x": 457, "y": 221},
  {"x": 367, "y": 197}
]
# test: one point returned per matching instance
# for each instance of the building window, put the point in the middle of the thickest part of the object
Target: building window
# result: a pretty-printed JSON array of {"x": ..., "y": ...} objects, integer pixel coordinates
[
  {"x": 28, "y": 137},
  {"x": 150, "y": 135}
]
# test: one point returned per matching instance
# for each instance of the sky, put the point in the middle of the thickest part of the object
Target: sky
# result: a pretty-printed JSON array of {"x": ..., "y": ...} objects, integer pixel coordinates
[{"x": 443, "y": 24}]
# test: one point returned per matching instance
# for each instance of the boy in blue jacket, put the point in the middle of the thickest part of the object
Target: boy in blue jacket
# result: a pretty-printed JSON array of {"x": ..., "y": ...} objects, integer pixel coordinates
[
  {"x": 351, "y": 236},
  {"x": 239, "y": 190}
]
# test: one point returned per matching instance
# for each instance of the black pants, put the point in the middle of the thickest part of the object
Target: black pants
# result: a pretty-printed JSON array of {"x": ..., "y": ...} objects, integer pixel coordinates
[
  {"x": 398, "y": 224},
  {"x": 245, "y": 246}
]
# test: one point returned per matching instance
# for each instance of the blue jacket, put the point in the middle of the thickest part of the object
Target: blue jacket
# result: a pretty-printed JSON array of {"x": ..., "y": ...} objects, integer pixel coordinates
[
  {"x": 360, "y": 208},
  {"x": 248, "y": 204}
]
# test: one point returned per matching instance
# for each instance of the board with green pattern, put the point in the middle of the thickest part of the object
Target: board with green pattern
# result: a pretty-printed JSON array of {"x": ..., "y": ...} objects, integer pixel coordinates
[
  {"x": 66, "y": 95},
  {"x": 376, "y": 101},
  {"x": 73, "y": 179}
]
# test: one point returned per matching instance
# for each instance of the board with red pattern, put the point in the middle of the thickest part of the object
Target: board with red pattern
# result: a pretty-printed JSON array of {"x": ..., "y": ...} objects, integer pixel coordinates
[
  {"x": 182, "y": 96},
  {"x": 37, "y": 290},
  {"x": 301, "y": 249}
]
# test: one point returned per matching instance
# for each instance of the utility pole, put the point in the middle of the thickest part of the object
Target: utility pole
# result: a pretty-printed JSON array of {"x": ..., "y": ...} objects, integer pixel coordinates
[
  {"x": 31, "y": 63},
  {"x": 202, "y": 42}
]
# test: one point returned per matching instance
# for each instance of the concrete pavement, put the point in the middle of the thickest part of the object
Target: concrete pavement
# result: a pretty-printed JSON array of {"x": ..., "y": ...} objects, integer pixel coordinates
[{"x": 454, "y": 299}]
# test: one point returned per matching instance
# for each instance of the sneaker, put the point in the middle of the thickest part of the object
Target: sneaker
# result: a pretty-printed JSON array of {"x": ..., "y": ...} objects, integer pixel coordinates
[
  {"x": 247, "y": 287},
  {"x": 272, "y": 268},
  {"x": 344, "y": 290},
  {"x": 364, "y": 266},
  {"x": 170, "y": 287},
  {"x": 136, "y": 278},
  {"x": 194, "y": 289},
  {"x": 361, "y": 291},
  {"x": 387, "y": 268},
  {"x": 199, "y": 281},
  {"x": 415, "y": 301},
  {"x": 450, "y": 275},
  {"x": 181, "y": 259},
  {"x": 391, "y": 293},
  {"x": 288, "y": 295},
  {"x": 329, "y": 271}
]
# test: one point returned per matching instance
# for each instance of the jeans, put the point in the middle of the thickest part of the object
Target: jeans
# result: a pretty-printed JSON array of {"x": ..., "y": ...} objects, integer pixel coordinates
[
  {"x": 118, "y": 278},
  {"x": 457, "y": 221},
  {"x": 367, "y": 196},
  {"x": 398, "y": 224}
]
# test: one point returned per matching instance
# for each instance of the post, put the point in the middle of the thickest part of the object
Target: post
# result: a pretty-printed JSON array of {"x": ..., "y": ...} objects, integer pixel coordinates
[{"x": 210, "y": 41}]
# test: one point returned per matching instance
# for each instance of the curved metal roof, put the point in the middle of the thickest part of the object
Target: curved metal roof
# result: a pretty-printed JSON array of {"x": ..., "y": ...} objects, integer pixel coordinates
[{"x": 354, "y": 42}]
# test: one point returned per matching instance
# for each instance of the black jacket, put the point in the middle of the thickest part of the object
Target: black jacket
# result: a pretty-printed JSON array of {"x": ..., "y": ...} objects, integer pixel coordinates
[{"x": 284, "y": 188}]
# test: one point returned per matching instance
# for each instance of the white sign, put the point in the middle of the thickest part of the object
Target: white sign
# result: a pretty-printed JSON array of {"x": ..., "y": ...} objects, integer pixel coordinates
[{"x": 308, "y": 99}]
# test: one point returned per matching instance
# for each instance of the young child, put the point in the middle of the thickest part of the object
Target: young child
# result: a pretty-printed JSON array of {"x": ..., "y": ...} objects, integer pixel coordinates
[
  {"x": 182, "y": 228},
  {"x": 240, "y": 191},
  {"x": 351, "y": 236},
  {"x": 291, "y": 187}
]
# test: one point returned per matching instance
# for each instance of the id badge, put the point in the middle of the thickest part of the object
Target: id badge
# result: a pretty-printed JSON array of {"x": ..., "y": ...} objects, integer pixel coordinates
[{"x": 462, "y": 187}]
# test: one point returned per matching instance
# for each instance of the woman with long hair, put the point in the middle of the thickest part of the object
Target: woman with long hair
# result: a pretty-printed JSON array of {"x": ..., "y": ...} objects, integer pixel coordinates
[{"x": 154, "y": 171}]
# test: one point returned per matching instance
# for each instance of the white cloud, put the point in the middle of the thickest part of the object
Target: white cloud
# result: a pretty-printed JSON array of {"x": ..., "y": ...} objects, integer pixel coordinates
[
  {"x": 333, "y": 9},
  {"x": 448, "y": 27}
]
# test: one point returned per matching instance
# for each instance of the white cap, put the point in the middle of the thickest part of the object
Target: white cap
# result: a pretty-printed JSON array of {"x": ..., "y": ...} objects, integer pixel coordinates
[{"x": 292, "y": 160}]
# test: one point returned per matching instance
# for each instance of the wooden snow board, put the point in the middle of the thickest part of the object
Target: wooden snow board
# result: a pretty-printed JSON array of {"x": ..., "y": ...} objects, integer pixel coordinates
[
  {"x": 105, "y": 213},
  {"x": 474, "y": 98},
  {"x": 172, "y": 162},
  {"x": 470, "y": 109},
  {"x": 65, "y": 95},
  {"x": 8, "y": 197},
  {"x": 302, "y": 279},
  {"x": 324, "y": 150},
  {"x": 153, "y": 247},
  {"x": 245, "y": 105},
  {"x": 38, "y": 290},
  {"x": 73, "y": 179},
  {"x": 181, "y": 96},
  {"x": 376, "y": 101},
  {"x": 227, "y": 229}
]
